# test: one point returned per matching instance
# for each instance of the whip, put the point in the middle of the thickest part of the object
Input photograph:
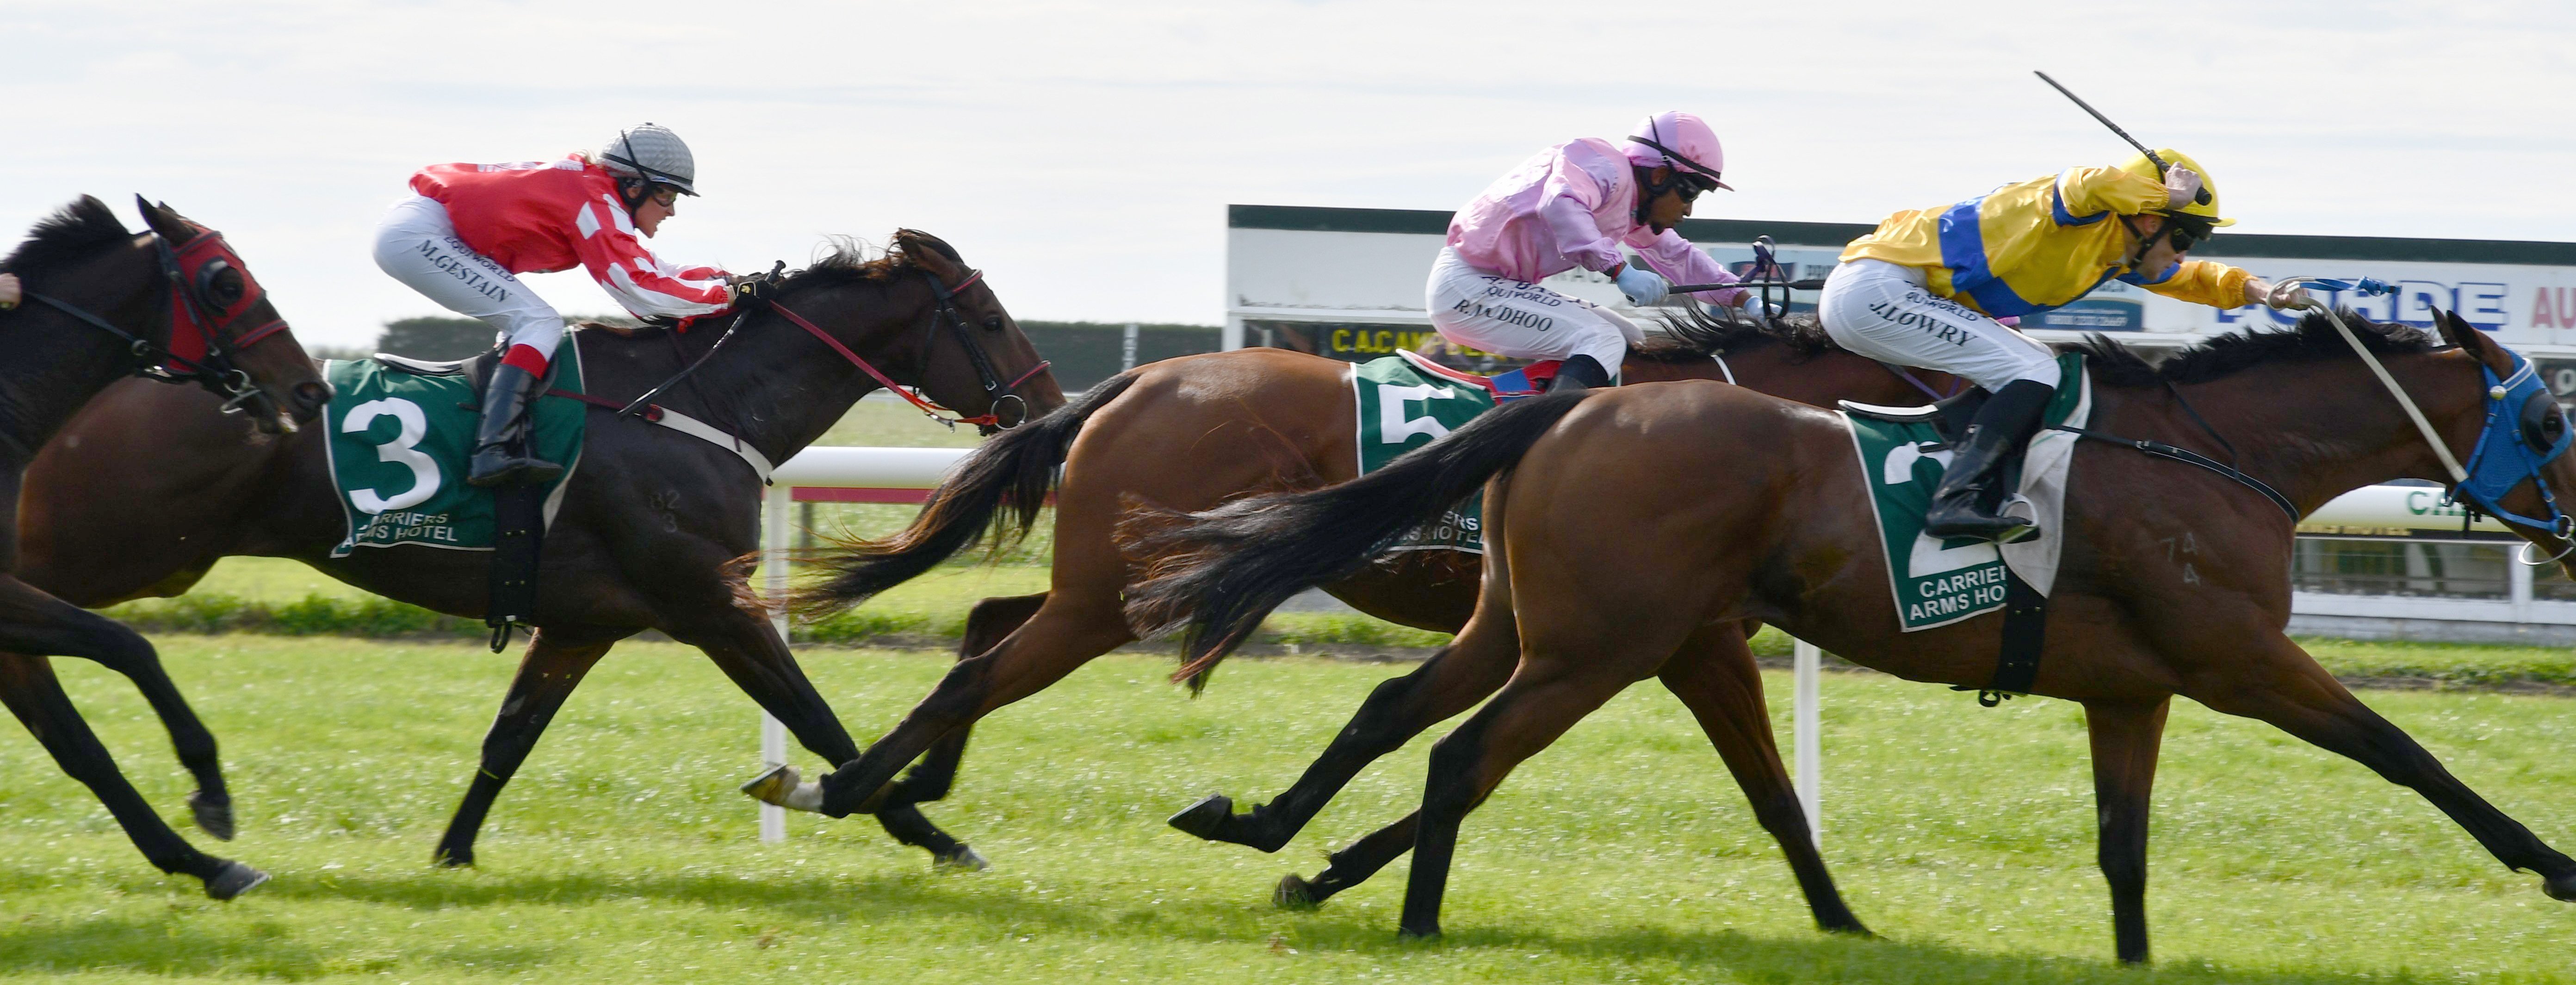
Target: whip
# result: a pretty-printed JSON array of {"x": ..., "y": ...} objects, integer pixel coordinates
[{"x": 2159, "y": 162}]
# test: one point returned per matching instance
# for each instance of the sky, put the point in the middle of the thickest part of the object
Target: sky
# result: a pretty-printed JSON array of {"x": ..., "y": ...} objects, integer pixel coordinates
[{"x": 1083, "y": 154}]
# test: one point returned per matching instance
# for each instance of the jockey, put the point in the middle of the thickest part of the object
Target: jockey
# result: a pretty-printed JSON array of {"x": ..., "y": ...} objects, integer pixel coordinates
[
  {"x": 1926, "y": 287},
  {"x": 1574, "y": 205},
  {"x": 469, "y": 227}
]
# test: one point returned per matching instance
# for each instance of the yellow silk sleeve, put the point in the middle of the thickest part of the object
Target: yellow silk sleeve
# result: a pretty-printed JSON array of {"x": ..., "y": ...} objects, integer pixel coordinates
[
  {"x": 2091, "y": 191},
  {"x": 2205, "y": 282}
]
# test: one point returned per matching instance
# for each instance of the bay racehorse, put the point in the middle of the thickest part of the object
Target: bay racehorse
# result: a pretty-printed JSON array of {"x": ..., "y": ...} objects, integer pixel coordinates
[
  {"x": 176, "y": 304},
  {"x": 1201, "y": 430},
  {"x": 1659, "y": 510},
  {"x": 652, "y": 522}
]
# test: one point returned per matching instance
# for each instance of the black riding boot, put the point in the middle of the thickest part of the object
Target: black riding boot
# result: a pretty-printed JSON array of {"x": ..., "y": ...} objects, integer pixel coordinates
[
  {"x": 507, "y": 399},
  {"x": 1579, "y": 373},
  {"x": 1967, "y": 502}
]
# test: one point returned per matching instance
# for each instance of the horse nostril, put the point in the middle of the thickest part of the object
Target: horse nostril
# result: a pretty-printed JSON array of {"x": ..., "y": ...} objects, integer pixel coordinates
[{"x": 312, "y": 396}]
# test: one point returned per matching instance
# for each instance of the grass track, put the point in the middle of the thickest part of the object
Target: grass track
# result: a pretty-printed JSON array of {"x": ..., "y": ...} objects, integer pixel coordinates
[{"x": 622, "y": 854}]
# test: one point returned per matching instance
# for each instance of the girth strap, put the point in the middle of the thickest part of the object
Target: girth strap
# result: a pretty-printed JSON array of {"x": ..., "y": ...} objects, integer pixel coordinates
[{"x": 683, "y": 423}]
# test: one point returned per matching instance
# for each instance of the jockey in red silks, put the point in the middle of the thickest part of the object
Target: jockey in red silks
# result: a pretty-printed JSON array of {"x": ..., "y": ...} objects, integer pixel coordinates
[
  {"x": 1574, "y": 205},
  {"x": 467, "y": 228}
]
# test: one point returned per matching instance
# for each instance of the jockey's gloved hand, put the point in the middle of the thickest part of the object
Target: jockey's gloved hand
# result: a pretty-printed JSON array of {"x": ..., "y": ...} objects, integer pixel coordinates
[
  {"x": 1642, "y": 286},
  {"x": 762, "y": 286},
  {"x": 2280, "y": 297},
  {"x": 2182, "y": 185},
  {"x": 1753, "y": 306}
]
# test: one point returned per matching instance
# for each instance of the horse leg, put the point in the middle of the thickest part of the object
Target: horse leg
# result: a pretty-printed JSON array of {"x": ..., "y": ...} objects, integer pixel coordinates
[
  {"x": 1069, "y": 629},
  {"x": 211, "y": 803},
  {"x": 2300, "y": 698},
  {"x": 1546, "y": 696},
  {"x": 549, "y": 670},
  {"x": 29, "y": 688},
  {"x": 1715, "y": 677},
  {"x": 2126, "y": 737},
  {"x": 987, "y": 625},
  {"x": 750, "y": 652},
  {"x": 1472, "y": 666}
]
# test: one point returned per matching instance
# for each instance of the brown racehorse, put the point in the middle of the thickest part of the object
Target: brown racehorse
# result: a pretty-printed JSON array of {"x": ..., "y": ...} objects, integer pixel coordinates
[
  {"x": 1206, "y": 429},
  {"x": 102, "y": 304},
  {"x": 651, "y": 523},
  {"x": 1660, "y": 510}
]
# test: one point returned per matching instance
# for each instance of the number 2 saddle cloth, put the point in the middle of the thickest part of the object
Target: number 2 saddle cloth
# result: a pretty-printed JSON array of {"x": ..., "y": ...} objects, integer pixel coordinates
[{"x": 400, "y": 432}]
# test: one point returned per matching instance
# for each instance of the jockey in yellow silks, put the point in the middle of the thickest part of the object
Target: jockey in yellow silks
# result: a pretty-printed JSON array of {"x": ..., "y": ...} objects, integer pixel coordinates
[{"x": 1925, "y": 288}]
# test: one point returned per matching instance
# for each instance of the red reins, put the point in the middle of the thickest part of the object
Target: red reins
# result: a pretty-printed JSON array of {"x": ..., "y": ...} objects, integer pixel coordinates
[{"x": 927, "y": 407}]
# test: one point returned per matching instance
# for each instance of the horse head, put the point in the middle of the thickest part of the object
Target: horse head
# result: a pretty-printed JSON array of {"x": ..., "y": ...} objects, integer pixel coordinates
[
  {"x": 2517, "y": 463},
  {"x": 222, "y": 331}
]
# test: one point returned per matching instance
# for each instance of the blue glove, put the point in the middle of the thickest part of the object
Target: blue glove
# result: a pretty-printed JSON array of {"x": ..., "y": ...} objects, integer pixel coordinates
[{"x": 1642, "y": 286}]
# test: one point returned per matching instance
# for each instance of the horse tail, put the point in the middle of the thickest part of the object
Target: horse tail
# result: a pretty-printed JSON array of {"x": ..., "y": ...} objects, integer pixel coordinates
[
  {"x": 1219, "y": 572},
  {"x": 997, "y": 490}
]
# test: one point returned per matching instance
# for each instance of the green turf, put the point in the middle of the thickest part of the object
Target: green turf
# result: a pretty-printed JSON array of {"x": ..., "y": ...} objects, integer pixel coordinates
[{"x": 622, "y": 854}]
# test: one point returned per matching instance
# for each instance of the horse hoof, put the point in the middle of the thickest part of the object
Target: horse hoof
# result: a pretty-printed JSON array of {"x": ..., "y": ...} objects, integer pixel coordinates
[
  {"x": 454, "y": 858},
  {"x": 964, "y": 859},
  {"x": 214, "y": 814},
  {"x": 233, "y": 880},
  {"x": 2561, "y": 888},
  {"x": 1295, "y": 893},
  {"x": 773, "y": 787},
  {"x": 1205, "y": 818},
  {"x": 1431, "y": 933}
]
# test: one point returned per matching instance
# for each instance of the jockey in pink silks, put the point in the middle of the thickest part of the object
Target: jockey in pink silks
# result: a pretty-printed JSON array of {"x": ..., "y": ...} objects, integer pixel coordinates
[{"x": 1575, "y": 205}]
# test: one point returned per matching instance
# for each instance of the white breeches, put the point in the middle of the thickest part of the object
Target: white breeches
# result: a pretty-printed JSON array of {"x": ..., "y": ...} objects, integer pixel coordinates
[
  {"x": 417, "y": 244},
  {"x": 1523, "y": 320},
  {"x": 1882, "y": 310}
]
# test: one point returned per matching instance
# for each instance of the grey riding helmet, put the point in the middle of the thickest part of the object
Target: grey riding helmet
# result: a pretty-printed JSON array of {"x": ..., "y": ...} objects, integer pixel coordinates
[{"x": 652, "y": 152}]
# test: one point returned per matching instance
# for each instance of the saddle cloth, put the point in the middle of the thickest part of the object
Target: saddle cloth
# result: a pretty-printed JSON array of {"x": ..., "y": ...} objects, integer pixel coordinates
[
  {"x": 1406, "y": 401},
  {"x": 400, "y": 433},
  {"x": 1903, "y": 452}
]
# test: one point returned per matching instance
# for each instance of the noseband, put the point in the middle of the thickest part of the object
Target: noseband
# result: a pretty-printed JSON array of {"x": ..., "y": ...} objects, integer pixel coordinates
[{"x": 200, "y": 349}]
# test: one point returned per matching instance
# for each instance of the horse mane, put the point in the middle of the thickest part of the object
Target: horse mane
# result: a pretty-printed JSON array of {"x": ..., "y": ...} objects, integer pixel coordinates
[
  {"x": 2314, "y": 340},
  {"x": 848, "y": 261},
  {"x": 1695, "y": 335},
  {"x": 70, "y": 233}
]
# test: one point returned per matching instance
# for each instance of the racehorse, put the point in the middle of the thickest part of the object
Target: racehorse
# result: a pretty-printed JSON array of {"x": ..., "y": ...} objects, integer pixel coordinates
[
  {"x": 174, "y": 303},
  {"x": 1204, "y": 429},
  {"x": 652, "y": 522},
  {"x": 1661, "y": 509}
]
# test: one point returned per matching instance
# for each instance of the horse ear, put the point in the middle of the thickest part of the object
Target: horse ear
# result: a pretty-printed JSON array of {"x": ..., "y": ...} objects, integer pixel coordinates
[
  {"x": 2457, "y": 331},
  {"x": 166, "y": 221},
  {"x": 928, "y": 253}
]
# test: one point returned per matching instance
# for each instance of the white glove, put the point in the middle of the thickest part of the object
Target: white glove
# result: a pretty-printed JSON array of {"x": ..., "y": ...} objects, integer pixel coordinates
[
  {"x": 1642, "y": 286},
  {"x": 2181, "y": 187},
  {"x": 1752, "y": 306},
  {"x": 2280, "y": 297}
]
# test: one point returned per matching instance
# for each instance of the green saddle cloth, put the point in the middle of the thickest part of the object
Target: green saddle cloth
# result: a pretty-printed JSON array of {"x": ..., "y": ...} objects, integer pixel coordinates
[
  {"x": 1938, "y": 582},
  {"x": 399, "y": 443},
  {"x": 1403, "y": 406}
]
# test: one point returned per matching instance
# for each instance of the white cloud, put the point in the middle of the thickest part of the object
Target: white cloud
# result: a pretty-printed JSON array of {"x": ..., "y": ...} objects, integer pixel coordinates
[{"x": 1083, "y": 153}]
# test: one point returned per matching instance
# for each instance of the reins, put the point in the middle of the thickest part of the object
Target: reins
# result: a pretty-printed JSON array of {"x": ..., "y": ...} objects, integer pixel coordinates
[{"x": 189, "y": 311}]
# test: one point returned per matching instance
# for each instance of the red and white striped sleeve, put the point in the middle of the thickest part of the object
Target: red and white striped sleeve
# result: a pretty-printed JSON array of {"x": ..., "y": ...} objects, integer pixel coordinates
[{"x": 648, "y": 287}]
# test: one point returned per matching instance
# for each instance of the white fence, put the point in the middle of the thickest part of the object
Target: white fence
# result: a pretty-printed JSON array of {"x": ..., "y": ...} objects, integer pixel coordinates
[{"x": 883, "y": 475}]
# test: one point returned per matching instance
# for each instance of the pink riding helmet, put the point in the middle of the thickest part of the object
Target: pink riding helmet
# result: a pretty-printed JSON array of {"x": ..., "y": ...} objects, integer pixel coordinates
[{"x": 1680, "y": 141}]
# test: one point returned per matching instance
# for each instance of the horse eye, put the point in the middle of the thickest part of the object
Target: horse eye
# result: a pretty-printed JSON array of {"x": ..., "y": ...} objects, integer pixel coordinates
[
  {"x": 993, "y": 323},
  {"x": 225, "y": 287}
]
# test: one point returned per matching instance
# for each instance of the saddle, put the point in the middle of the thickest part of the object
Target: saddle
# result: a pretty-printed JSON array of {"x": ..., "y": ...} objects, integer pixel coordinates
[
  {"x": 1950, "y": 415},
  {"x": 477, "y": 370},
  {"x": 1527, "y": 381}
]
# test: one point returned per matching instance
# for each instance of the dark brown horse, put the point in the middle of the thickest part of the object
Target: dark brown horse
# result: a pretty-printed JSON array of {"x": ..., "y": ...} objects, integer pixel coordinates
[
  {"x": 1661, "y": 510},
  {"x": 102, "y": 304},
  {"x": 650, "y": 526},
  {"x": 1206, "y": 429}
]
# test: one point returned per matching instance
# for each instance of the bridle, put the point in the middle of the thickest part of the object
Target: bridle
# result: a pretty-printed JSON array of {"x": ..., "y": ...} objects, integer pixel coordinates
[
  {"x": 200, "y": 349},
  {"x": 943, "y": 313}
]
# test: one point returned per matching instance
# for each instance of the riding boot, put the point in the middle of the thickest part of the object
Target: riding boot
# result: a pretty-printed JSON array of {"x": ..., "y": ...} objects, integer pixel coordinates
[
  {"x": 1968, "y": 501},
  {"x": 1579, "y": 373},
  {"x": 502, "y": 439}
]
